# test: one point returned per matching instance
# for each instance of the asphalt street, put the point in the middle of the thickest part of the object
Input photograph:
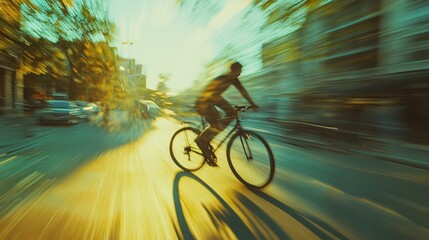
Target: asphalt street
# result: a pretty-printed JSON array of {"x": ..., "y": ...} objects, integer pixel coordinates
[{"x": 87, "y": 181}]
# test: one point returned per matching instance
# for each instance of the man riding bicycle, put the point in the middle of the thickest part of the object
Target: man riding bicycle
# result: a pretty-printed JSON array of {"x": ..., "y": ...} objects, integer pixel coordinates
[{"x": 206, "y": 105}]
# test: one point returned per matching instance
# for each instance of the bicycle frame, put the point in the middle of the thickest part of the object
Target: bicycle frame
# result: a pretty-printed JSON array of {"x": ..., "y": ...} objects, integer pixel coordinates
[
  {"x": 243, "y": 147},
  {"x": 237, "y": 127}
]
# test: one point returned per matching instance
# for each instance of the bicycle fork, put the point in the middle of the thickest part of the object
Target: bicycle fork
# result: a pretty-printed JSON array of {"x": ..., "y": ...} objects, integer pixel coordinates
[{"x": 245, "y": 144}]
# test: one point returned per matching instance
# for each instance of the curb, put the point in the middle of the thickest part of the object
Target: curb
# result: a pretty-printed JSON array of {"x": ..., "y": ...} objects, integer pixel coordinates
[{"x": 296, "y": 137}]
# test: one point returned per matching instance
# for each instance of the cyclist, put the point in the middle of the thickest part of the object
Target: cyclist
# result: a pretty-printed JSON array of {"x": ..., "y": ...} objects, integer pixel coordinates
[{"x": 206, "y": 105}]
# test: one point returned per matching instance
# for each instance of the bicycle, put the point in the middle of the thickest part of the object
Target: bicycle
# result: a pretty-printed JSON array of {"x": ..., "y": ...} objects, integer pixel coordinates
[{"x": 249, "y": 156}]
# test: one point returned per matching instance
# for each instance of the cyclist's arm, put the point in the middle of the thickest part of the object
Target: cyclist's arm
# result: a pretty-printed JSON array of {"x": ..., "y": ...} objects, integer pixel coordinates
[{"x": 244, "y": 93}]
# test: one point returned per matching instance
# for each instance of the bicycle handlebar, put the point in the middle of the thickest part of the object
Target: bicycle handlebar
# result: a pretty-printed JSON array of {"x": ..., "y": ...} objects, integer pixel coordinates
[
  {"x": 242, "y": 108},
  {"x": 238, "y": 108}
]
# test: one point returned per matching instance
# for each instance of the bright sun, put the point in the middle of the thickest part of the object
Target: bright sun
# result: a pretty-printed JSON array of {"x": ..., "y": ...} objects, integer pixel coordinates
[{"x": 166, "y": 38}]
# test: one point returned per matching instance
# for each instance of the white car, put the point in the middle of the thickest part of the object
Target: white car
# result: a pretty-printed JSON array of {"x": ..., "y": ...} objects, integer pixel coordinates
[
  {"x": 88, "y": 108},
  {"x": 151, "y": 109}
]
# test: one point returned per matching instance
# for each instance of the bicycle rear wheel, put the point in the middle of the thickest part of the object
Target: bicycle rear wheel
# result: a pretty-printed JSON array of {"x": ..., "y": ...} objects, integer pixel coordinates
[
  {"x": 250, "y": 159},
  {"x": 184, "y": 151}
]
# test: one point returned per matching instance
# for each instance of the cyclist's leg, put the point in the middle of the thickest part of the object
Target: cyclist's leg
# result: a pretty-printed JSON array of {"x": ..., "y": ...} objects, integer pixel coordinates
[
  {"x": 229, "y": 111},
  {"x": 216, "y": 124},
  {"x": 209, "y": 112}
]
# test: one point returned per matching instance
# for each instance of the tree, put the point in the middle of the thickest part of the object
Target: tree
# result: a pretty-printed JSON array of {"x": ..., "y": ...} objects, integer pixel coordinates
[
  {"x": 82, "y": 31},
  {"x": 11, "y": 44},
  {"x": 280, "y": 11}
]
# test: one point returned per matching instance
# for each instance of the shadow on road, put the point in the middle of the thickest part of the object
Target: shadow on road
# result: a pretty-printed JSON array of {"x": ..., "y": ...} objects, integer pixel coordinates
[
  {"x": 313, "y": 224},
  {"x": 231, "y": 219},
  {"x": 237, "y": 224},
  {"x": 29, "y": 170}
]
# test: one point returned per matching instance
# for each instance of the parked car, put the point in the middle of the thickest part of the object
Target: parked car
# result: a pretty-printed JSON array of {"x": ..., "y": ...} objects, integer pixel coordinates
[
  {"x": 152, "y": 110},
  {"x": 59, "y": 111},
  {"x": 88, "y": 108}
]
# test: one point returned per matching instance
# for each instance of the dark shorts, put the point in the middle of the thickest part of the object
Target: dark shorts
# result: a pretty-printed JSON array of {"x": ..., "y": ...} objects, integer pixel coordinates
[{"x": 208, "y": 110}]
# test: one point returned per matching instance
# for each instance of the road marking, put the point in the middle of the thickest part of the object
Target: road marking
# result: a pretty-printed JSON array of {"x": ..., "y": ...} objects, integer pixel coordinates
[
  {"x": 7, "y": 160},
  {"x": 314, "y": 125},
  {"x": 380, "y": 207},
  {"x": 266, "y": 131}
]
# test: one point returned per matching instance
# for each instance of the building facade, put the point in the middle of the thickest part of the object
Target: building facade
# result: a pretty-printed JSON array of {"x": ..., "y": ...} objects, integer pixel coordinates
[
  {"x": 132, "y": 77},
  {"x": 355, "y": 61},
  {"x": 11, "y": 81}
]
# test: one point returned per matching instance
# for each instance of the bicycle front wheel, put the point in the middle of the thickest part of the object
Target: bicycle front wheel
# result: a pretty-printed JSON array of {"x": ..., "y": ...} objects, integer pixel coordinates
[
  {"x": 251, "y": 159},
  {"x": 184, "y": 151}
]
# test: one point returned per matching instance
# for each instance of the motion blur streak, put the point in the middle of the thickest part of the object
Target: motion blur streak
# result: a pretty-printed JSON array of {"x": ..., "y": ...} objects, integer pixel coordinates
[
  {"x": 126, "y": 193},
  {"x": 343, "y": 94}
]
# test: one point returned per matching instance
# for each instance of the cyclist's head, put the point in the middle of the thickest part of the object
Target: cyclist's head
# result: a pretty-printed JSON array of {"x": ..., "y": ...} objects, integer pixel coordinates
[{"x": 236, "y": 69}]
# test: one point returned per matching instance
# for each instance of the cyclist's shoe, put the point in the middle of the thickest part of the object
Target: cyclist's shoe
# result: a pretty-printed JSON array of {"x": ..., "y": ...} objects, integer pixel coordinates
[
  {"x": 211, "y": 149},
  {"x": 202, "y": 145},
  {"x": 211, "y": 159},
  {"x": 208, "y": 153},
  {"x": 212, "y": 163}
]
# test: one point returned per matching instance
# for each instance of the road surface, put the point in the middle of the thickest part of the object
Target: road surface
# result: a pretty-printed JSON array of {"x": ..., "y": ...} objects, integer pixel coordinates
[{"x": 89, "y": 182}]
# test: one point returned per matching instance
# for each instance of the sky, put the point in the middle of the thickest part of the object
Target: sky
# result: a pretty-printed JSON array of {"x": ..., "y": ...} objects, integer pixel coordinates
[{"x": 180, "y": 41}]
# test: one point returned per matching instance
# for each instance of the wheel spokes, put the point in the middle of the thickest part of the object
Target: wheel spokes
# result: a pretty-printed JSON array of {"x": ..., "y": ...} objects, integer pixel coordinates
[{"x": 251, "y": 159}]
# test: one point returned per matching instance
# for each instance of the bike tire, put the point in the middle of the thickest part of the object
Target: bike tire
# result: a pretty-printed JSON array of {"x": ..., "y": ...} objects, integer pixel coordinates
[
  {"x": 256, "y": 172},
  {"x": 184, "y": 151}
]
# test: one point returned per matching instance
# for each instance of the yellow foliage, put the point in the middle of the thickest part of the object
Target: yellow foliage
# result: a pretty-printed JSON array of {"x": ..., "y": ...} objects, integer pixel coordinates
[
  {"x": 9, "y": 12},
  {"x": 68, "y": 3}
]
